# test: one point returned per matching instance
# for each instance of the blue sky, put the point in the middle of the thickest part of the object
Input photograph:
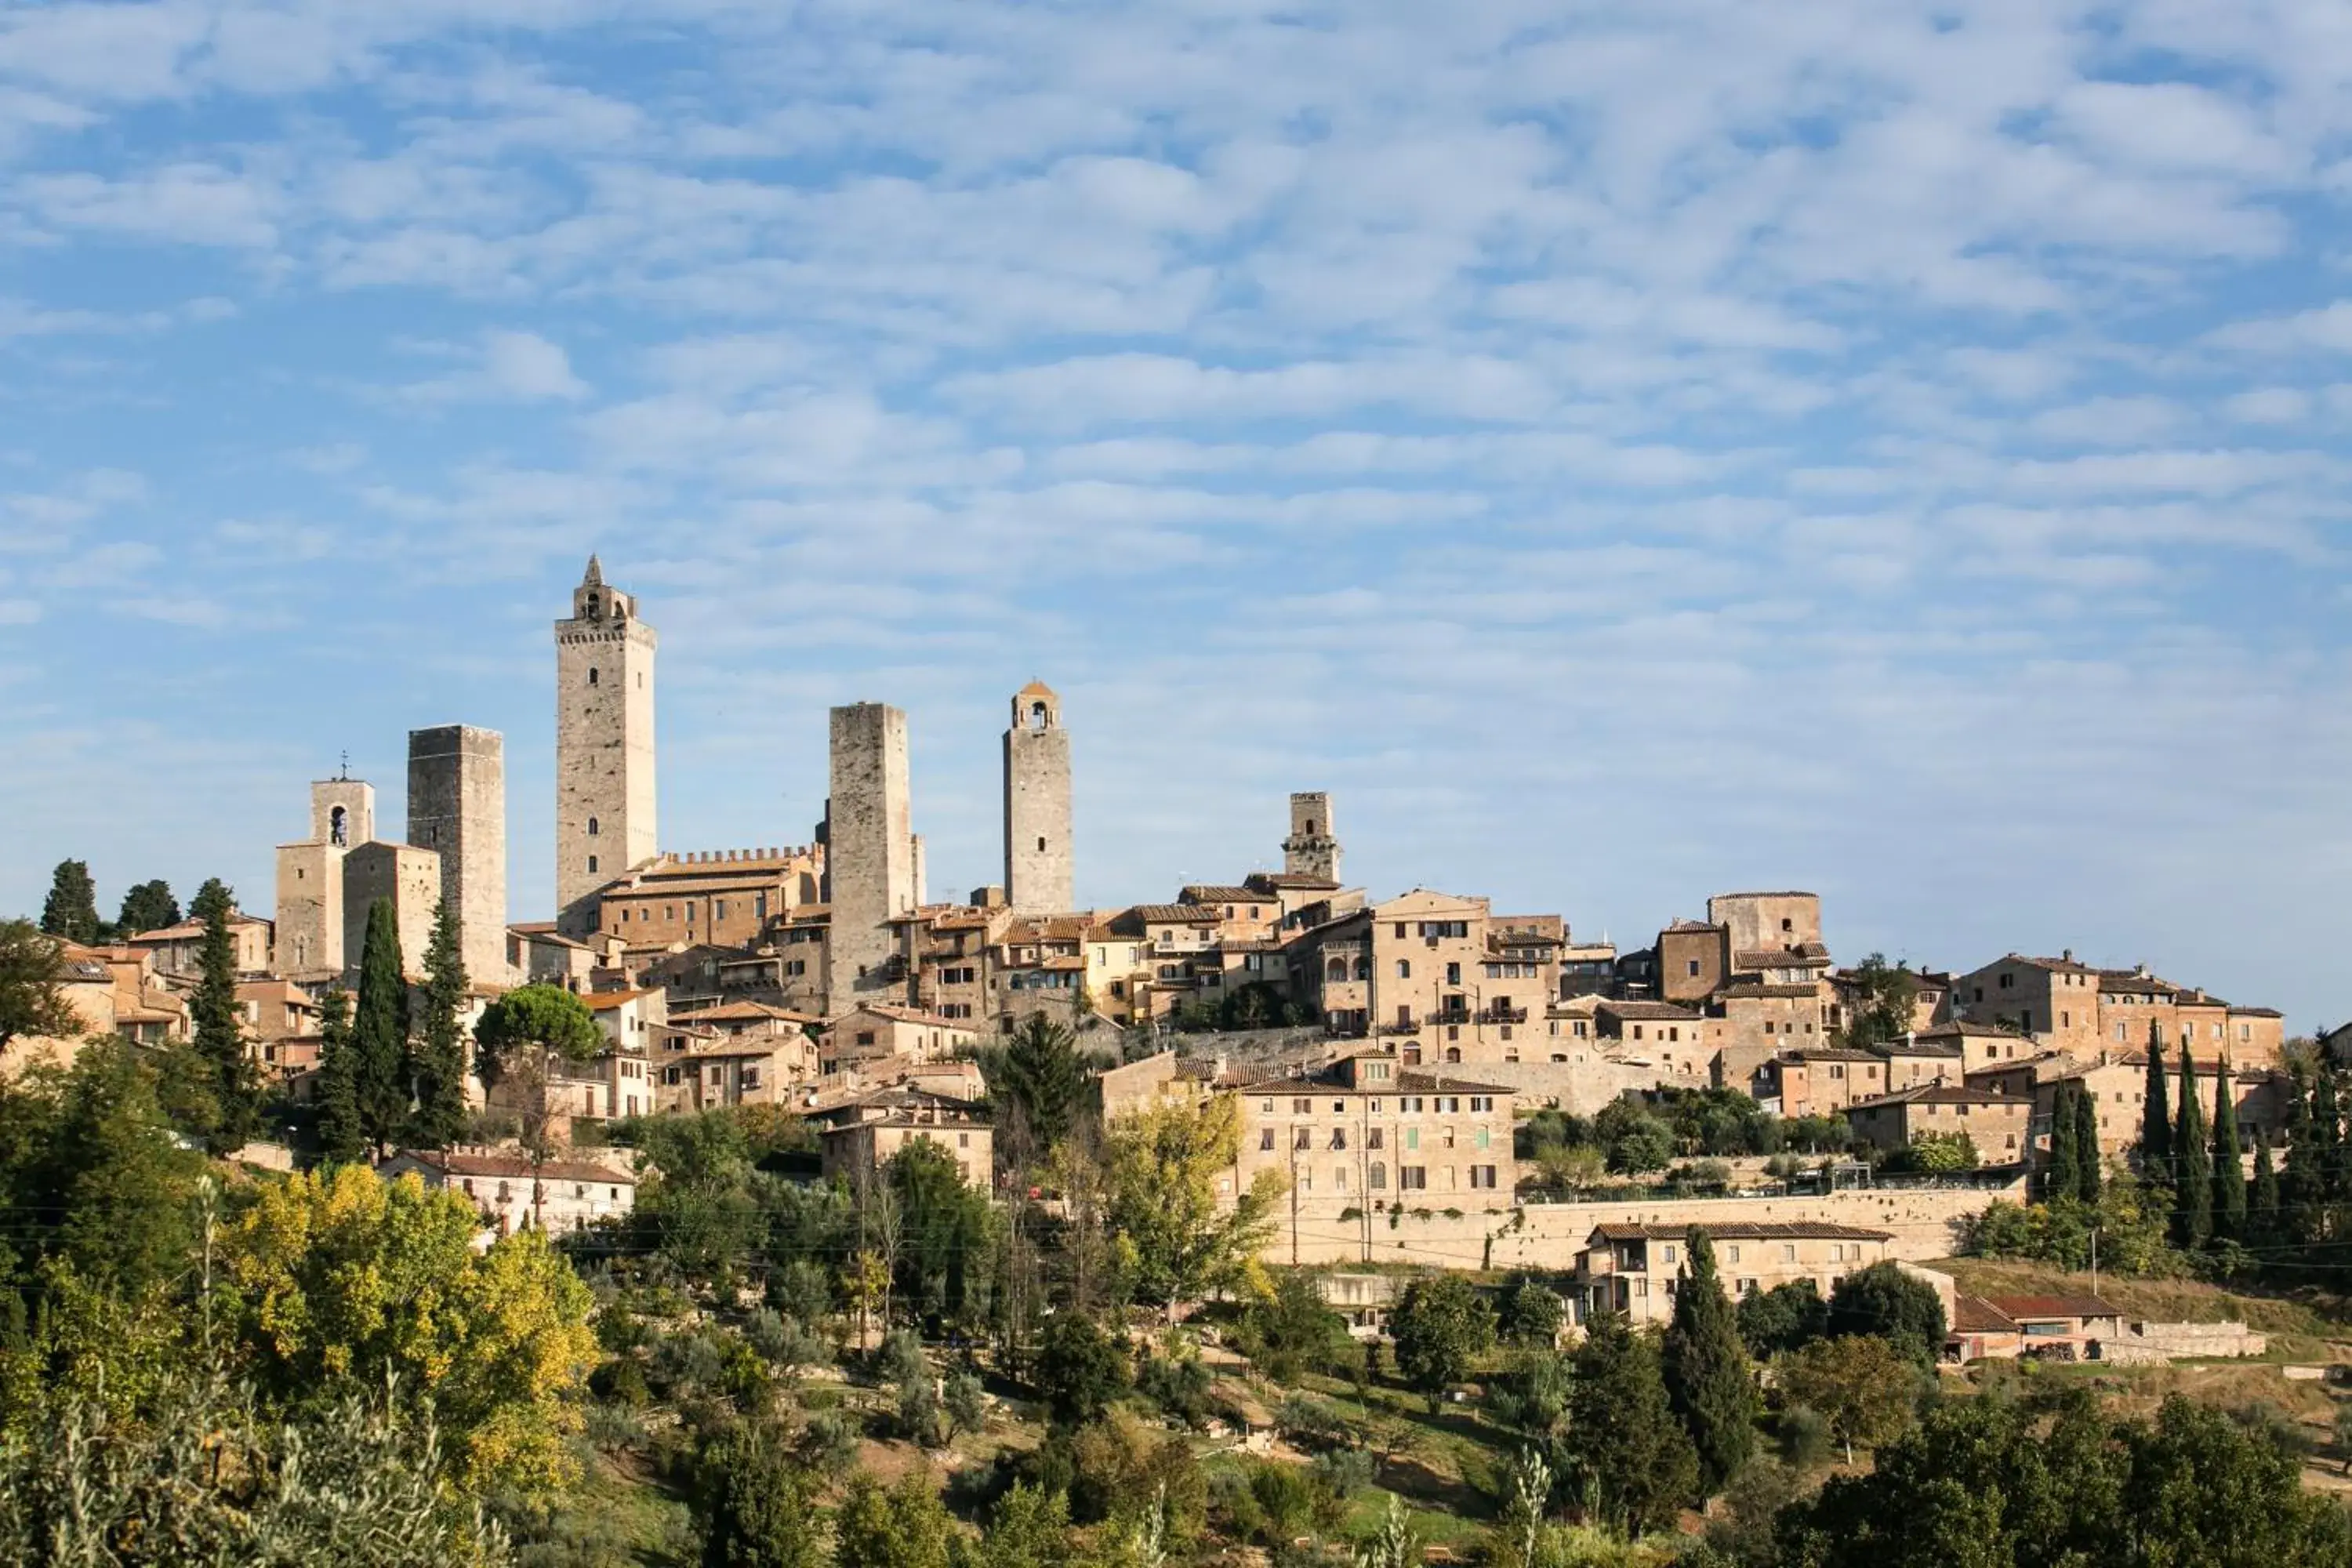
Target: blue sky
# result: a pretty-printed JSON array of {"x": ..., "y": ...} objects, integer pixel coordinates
[{"x": 1623, "y": 452}]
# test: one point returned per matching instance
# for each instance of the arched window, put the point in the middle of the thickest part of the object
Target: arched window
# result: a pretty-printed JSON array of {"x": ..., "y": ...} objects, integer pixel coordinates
[
  {"x": 1404, "y": 969},
  {"x": 591, "y": 828},
  {"x": 594, "y": 677},
  {"x": 1037, "y": 715},
  {"x": 338, "y": 828},
  {"x": 1377, "y": 1178},
  {"x": 1453, "y": 1053},
  {"x": 1310, "y": 828},
  {"x": 595, "y": 606},
  {"x": 1336, "y": 970}
]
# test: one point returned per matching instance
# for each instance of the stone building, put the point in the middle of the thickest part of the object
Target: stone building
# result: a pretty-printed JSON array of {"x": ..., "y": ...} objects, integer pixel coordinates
[
  {"x": 1758, "y": 922},
  {"x": 722, "y": 898},
  {"x": 864, "y": 1135},
  {"x": 1312, "y": 850},
  {"x": 310, "y": 940},
  {"x": 178, "y": 951},
  {"x": 2056, "y": 1000},
  {"x": 870, "y": 854},
  {"x": 1636, "y": 1267},
  {"x": 1038, "y": 875},
  {"x": 1999, "y": 1125},
  {"x": 557, "y": 1196},
  {"x": 457, "y": 809},
  {"x": 604, "y": 799},
  {"x": 410, "y": 877}
]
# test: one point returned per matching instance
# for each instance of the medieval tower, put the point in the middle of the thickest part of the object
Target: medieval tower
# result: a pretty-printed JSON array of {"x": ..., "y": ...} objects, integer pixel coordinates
[
  {"x": 1037, "y": 876},
  {"x": 457, "y": 809},
  {"x": 1312, "y": 850},
  {"x": 604, "y": 743},
  {"x": 310, "y": 878},
  {"x": 869, "y": 853}
]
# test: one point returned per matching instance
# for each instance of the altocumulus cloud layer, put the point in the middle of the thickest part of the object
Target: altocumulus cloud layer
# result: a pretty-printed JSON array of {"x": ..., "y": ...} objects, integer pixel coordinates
[{"x": 1625, "y": 451}]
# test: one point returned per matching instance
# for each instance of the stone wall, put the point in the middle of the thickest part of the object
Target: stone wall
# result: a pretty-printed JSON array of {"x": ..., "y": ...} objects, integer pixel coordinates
[
  {"x": 1926, "y": 1224},
  {"x": 411, "y": 878},
  {"x": 1038, "y": 865},
  {"x": 869, "y": 852},
  {"x": 605, "y": 796},
  {"x": 457, "y": 809}
]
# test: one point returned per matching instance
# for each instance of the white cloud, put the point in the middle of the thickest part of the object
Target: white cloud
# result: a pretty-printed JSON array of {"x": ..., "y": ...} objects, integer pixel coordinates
[{"x": 508, "y": 366}]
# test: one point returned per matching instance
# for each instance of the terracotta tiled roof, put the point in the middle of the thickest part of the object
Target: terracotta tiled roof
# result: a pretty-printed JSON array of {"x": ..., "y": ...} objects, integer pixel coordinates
[
  {"x": 1203, "y": 893},
  {"x": 605, "y": 1001},
  {"x": 1782, "y": 958},
  {"x": 1643, "y": 1012},
  {"x": 1283, "y": 880},
  {"x": 1176, "y": 914},
  {"x": 1943, "y": 1094},
  {"x": 513, "y": 1166},
  {"x": 1975, "y": 1315}
]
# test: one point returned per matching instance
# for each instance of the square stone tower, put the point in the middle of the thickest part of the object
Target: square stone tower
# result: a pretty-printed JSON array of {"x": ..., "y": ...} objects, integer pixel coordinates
[
  {"x": 869, "y": 854},
  {"x": 1037, "y": 859},
  {"x": 604, "y": 821},
  {"x": 411, "y": 878},
  {"x": 457, "y": 809},
  {"x": 1312, "y": 850},
  {"x": 310, "y": 878}
]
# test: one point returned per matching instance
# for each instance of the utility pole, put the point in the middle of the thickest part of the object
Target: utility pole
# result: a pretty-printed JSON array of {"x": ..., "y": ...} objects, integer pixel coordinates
[{"x": 2095, "y": 1260}]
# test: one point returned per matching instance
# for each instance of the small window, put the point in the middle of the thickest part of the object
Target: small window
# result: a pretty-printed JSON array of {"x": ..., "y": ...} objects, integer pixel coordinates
[
  {"x": 592, "y": 827},
  {"x": 593, "y": 678},
  {"x": 592, "y": 866}
]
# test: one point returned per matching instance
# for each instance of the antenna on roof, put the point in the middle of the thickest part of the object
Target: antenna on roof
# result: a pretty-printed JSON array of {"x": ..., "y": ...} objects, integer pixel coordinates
[{"x": 344, "y": 774}]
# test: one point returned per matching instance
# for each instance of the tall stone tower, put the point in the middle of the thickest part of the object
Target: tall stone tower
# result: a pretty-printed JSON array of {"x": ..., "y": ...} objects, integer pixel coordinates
[
  {"x": 869, "y": 853},
  {"x": 457, "y": 809},
  {"x": 604, "y": 743},
  {"x": 1312, "y": 850},
  {"x": 310, "y": 878},
  {"x": 1037, "y": 875}
]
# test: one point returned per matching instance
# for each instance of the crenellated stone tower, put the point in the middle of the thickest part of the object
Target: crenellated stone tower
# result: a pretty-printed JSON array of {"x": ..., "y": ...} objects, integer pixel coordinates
[
  {"x": 869, "y": 854},
  {"x": 457, "y": 809},
  {"x": 1312, "y": 850},
  {"x": 604, "y": 810},
  {"x": 1037, "y": 857}
]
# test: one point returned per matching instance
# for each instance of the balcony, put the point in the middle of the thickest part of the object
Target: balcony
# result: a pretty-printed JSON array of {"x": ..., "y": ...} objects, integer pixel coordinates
[
  {"x": 1503, "y": 1015},
  {"x": 1393, "y": 1027}
]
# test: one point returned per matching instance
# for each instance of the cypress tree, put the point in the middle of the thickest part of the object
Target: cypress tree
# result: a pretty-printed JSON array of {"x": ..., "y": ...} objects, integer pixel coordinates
[
  {"x": 440, "y": 1115},
  {"x": 2156, "y": 1116},
  {"x": 215, "y": 897},
  {"x": 2336, "y": 1154},
  {"x": 2229, "y": 1170},
  {"x": 2297, "y": 1191},
  {"x": 71, "y": 909},
  {"x": 2192, "y": 1166},
  {"x": 380, "y": 1032},
  {"x": 2263, "y": 1218},
  {"x": 150, "y": 906},
  {"x": 2325, "y": 1134},
  {"x": 340, "y": 1136},
  {"x": 2059, "y": 1176},
  {"x": 1705, "y": 1365},
  {"x": 1623, "y": 1446},
  {"x": 2088, "y": 1167},
  {"x": 220, "y": 1040}
]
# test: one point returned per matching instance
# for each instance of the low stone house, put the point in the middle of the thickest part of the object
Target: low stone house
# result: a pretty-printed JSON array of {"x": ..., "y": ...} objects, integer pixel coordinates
[
  {"x": 1635, "y": 1269},
  {"x": 559, "y": 1195}
]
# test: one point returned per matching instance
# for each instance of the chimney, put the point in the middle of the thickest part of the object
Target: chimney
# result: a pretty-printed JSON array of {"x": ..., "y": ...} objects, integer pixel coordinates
[{"x": 2067, "y": 955}]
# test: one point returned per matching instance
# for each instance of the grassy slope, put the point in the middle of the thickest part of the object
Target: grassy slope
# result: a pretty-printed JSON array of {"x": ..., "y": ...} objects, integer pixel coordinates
[{"x": 2306, "y": 1326}]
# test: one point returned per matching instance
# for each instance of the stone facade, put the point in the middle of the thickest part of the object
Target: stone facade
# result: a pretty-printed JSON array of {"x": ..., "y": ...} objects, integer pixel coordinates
[
  {"x": 311, "y": 938},
  {"x": 1635, "y": 1269},
  {"x": 457, "y": 809},
  {"x": 724, "y": 898},
  {"x": 560, "y": 1196},
  {"x": 1038, "y": 877},
  {"x": 604, "y": 799},
  {"x": 869, "y": 854},
  {"x": 409, "y": 875},
  {"x": 1999, "y": 1125},
  {"x": 1313, "y": 847},
  {"x": 1758, "y": 922}
]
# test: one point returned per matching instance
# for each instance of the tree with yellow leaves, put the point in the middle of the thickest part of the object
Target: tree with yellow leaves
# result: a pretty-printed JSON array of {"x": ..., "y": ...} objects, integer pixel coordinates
[
  {"x": 1177, "y": 1236},
  {"x": 348, "y": 1278}
]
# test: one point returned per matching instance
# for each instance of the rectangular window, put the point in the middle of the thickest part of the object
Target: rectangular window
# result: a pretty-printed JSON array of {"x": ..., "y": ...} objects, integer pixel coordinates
[
  {"x": 1413, "y": 1178},
  {"x": 1413, "y": 1137},
  {"x": 1265, "y": 1138},
  {"x": 1302, "y": 1139}
]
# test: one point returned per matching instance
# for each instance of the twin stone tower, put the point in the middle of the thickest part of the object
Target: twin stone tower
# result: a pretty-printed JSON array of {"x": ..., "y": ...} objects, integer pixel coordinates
[{"x": 606, "y": 818}]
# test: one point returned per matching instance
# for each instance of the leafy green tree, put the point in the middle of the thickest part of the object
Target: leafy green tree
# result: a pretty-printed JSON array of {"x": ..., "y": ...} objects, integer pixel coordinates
[
  {"x": 1530, "y": 1313},
  {"x": 2058, "y": 1175},
  {"x": 1080, "y": 1369},
  {"x": 341, "y": 1135},
  {"x": 2228, "y": 1204},
  {"x": 440, "y": 1056},
  {"x": 199, "y": 1475},
  {"x": 1030, "y": 1529},
  {"x": 946, "y": 1225},
  {"x": 236, "y": 1089},
  {"x": 350, "y": 1279},
  {"x": 1292, "y": 1331},
  {"x": 1883, "y": 994},
  {"x": 1708, "y": 1380},
  {"x": 1884, "y": 1302},
  {"x": 1624, "y": 1448},
  {"x": 965, "y": 1401},
  {"x": 752, "y": 1502},
  {"x": 2156, "y": 1113},
  {"x": 520, "y": 1037},
  {"x": 2089, "y": 1169},
  {"x": 1176, "y": 1237},
  {"x": 71, "y": 909},
  {"x": 1634, "y": 1140},
  {"x": 1866, "y": 1386},
  {"x": 380, "y": 1032},
  {"x": 1783, "y": 1318},
  {"x": 1936, "y": 1151},
  {"x": 149, "y": 905},
  {"x": 1039, "y": 1081},
  {"x": 1441, "y": 1325},
  {"x": 32, "y": 986},
  {"x": 215, "y": 897},
  {"x": 2192, "y": 1161},
  {"x": 904, "y": 1527}
]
